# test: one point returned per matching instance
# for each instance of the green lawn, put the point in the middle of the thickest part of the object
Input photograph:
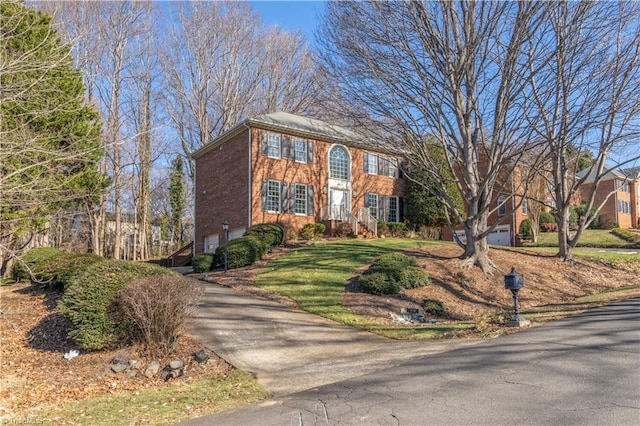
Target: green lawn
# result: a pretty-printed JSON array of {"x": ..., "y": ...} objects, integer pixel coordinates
[
  {"x": 164, "y": 405},
  {"x": 589, "y": 238},
  {"x": 316, "y": 276}
]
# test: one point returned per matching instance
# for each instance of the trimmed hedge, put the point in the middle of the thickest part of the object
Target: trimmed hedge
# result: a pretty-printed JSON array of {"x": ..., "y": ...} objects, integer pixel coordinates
[
  {"x": 628, "y": 236},
  {"x": 311, "y": 231},
  {"x": 391, "y": 273},
  {"x": 271, "y": 233},
  {"x": 397, "y": 229},
  {"x": 525, "y": 228},
  {"x": 52, "y": 267},
  {"x": 89, "y": 302},
  {"x": 202, "y": 262},
  {"x": 378, "y": 283},
  {"x": 33, "y": 260},
  {"x": 242, "y": 251}
]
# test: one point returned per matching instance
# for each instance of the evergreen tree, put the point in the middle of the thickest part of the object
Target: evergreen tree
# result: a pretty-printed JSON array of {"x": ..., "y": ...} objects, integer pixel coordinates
[
  {"x": 424, "y": 194},
  {"x": 50, "y": 140},
  {"x": 177, "y": 196}
]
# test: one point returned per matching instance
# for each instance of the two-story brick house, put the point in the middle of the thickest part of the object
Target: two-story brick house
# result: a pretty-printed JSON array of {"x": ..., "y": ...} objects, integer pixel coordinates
[
  {"x": 618, "y": 192},
  {"x": 292, "y": 170}
]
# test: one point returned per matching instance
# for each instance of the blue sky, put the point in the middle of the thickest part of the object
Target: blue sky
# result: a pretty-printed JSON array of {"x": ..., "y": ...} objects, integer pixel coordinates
[{"x": 293, "y": 15}]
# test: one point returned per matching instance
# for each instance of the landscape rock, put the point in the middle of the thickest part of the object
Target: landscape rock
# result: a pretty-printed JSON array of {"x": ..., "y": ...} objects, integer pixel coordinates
[
  {"x": 201, "y": 356},
  {"x": 135, "y": 364},
  {"x": 175, "y": 365},
  {"x": 118, "y": 368},
  {"x": 119, "y": 359},
  {"x": 152, "y": 369}
]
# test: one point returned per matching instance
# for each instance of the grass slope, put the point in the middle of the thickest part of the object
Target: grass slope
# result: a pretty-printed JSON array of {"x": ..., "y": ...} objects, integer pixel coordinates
[{"x": 316, "y": 277}]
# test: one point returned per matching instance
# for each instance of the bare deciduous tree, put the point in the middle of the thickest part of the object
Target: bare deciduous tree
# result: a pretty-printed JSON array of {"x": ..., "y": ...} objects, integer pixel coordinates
[
  {"x": 585, "y": 96},
  {"x": 451, "y": 72}
]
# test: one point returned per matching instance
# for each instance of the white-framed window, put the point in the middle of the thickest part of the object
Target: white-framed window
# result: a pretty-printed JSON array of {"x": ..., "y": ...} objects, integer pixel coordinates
[
  {"x": 502, "y": 206},
  {"x": 300, "y": 150},
  {"x": 272, "y": 196},
  {"x": 273, "y": 145},
  {"x": 393, "y": 214},
  {"x": 525, "y": 206},
  {"x": 339, "y": 163},
  {"x": 371, "y": 201},
  {"x": 300, "y": 198},
  {"x": 372, "y": 164},
  {"x": 392, "y": 170}
]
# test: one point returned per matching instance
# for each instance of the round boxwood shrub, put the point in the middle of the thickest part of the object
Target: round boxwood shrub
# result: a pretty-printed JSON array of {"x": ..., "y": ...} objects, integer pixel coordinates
[
  {"x": 89, "y": 302},
  {"x": 399, "y": 272},
  {"x": 546, "y": 217},
  {"x": 413, "y": 277},
  {"x": 378, "y": 283},
  {"x": 271, "y": 233},
  {"x": 242, "y": 251},
  {"x": 202, "y": 262},
  {"x": 52, "y": 267},
  {"x": 525, "y": 228},
  {"x": 433, "y": 307}
]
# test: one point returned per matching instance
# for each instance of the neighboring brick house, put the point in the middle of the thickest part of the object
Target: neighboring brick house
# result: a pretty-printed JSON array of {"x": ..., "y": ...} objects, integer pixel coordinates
[
  {"x": 292, "y": 170},
  {"x": 623, "y": 191}
]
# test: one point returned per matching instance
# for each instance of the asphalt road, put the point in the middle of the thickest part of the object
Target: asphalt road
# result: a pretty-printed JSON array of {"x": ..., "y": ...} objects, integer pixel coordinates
[{"x": 583, "y": 370}]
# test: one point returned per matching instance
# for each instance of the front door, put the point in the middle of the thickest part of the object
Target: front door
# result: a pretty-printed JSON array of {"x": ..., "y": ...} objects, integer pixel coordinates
[{"x": 338, "y": 203}]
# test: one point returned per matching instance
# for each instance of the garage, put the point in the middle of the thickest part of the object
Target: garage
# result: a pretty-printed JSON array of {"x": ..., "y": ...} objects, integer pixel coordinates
[{"x": 501, "y": 236}]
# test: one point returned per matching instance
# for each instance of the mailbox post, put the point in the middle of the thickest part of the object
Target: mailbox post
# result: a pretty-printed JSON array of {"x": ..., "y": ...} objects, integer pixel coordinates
[{"x": 514, "y": 281}]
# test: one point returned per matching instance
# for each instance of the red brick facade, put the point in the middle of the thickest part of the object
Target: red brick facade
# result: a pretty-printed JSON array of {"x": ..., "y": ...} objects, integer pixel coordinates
[
  {"x": 621, "y": 206},
  {"x": 242, "y": 179}
]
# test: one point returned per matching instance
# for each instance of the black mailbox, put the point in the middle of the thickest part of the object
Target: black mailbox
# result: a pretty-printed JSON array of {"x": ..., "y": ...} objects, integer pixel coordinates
[{"x": 513, "y": 280}]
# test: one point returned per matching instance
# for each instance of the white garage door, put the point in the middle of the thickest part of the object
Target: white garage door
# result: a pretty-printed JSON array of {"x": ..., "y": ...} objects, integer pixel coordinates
[{"x": 501, "y": 236}]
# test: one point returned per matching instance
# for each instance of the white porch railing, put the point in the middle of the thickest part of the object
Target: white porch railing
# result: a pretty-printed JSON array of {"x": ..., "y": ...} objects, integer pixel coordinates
[
  {"x": 340, "y": 214},
  {"x": 370, "y": 222}
]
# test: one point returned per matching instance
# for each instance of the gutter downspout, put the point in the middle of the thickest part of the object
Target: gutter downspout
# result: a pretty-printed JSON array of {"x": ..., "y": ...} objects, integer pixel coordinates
[{"x": 250, "y": 176}]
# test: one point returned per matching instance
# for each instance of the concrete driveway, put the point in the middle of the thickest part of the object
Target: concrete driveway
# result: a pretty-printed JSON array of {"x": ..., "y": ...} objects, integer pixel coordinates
[
  {"x": 290, "y": 350},
  {"x": 583, "y": 370}
]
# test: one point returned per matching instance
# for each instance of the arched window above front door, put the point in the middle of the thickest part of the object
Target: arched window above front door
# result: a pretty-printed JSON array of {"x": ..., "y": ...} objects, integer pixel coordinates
[{"x": 339, "y": 163}]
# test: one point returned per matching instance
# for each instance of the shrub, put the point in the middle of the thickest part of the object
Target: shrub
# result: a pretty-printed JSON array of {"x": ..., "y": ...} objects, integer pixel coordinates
[
  {"x": 271, "y": 233},
  {"x": 378, "y": 283},
  {"x": 383, "y": 229},
  {"x": 397, "y": 229},
  {"x": 399, "y": 272},
  {"x": 53, "y": 267},
  {"x": 159, "y": 306},
  {"x": 242, "y": 251},
  {"x": 32, "y": 261},
  {"x": 89, "y": 301},
  {"x": 311, "y": 231},
  {"x": 343, "y": 229},
  {"x": 525, "y": 228},
  {"x": 202, "y": 262},
  {"x": 546, "y": 217},
  {"x": 433, "y": 307},
  {"x": 549, "y": 227},
  {"x": 413, "y": 277},
  {"x": 628, "y": 236}
]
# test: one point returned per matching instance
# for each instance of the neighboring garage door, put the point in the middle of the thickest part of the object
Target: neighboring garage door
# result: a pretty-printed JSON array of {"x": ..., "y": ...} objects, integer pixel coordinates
[{"x": 501, "y": 236}]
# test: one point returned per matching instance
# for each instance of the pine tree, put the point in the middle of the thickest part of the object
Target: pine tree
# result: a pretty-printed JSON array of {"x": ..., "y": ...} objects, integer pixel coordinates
[{"x": 50, "y": 140}]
